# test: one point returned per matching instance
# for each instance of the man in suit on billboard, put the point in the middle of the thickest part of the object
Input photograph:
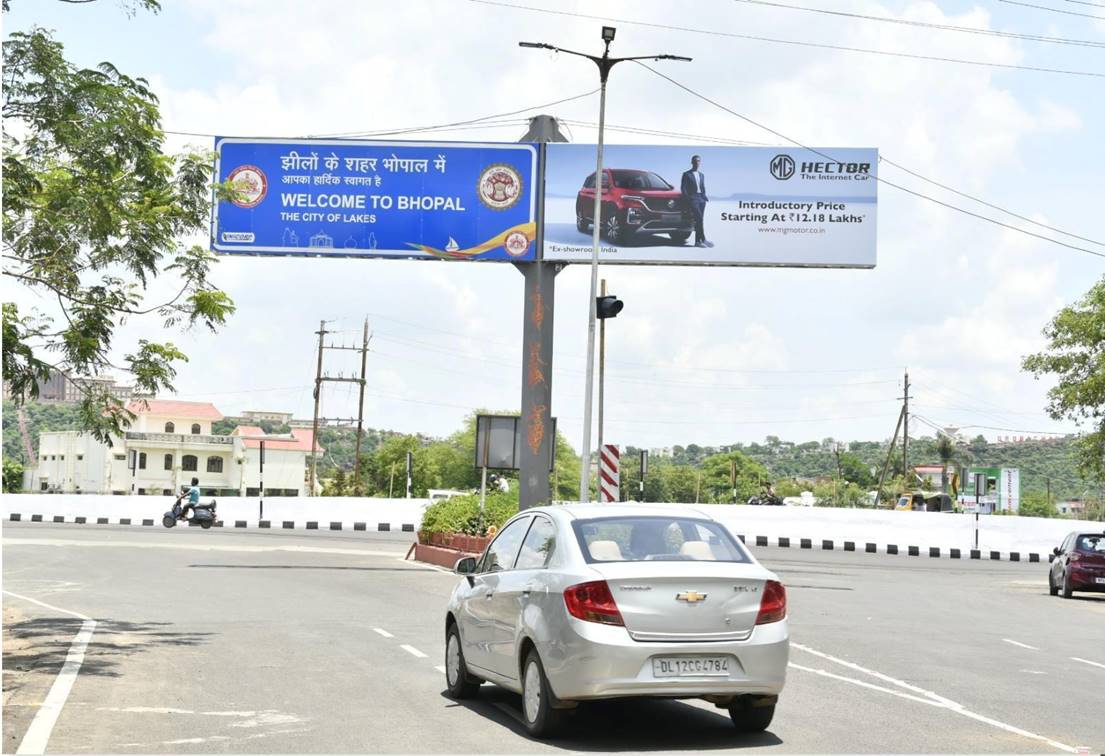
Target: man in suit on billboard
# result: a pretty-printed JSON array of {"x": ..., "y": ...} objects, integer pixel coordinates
[{"x": 693, "y": 189}]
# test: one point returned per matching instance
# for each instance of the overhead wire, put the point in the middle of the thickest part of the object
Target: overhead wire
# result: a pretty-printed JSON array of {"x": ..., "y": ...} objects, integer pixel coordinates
[
  {"x": 1053, "y": 10},
  {"x": 880, "y": 179},
  {"x": 929, "y": 25},
  {"x": 775, "y": 40}
]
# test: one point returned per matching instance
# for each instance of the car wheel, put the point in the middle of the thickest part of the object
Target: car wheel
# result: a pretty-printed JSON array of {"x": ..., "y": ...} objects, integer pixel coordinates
[
  {"x": 680, "y": 237},
  {"x": 582, "y": 225},
  {"x": 615, "y": 231},
  {"x": 538, "y": 714},
  {"x": 750, "y": 715},
  {"x": 1051, "y": 587},
  {"x": 1067, "y": 591},
  {"x": 460, "y": 684}
]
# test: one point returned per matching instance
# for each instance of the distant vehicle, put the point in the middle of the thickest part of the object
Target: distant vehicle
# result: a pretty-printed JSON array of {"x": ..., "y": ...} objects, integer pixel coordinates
[
  {"x": 635, "y": 203},
  {"x": 582, "y": 602},
  {"x": 203, "y": 514},
  {"x": 1079, "y": 565},
  {"x": 765, "y": 499},
  {"x": 440, "y": 494},
  {"x": 918, "y": 501}
]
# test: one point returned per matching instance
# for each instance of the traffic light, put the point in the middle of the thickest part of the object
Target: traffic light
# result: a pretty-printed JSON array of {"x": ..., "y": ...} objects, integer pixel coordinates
[{"x": 608, "y": 307}]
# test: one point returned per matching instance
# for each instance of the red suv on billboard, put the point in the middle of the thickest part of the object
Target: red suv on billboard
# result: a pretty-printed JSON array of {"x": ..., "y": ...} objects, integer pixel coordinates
[
  {"x": 635, "y": 203},
  {"x": 1078, "y": 565}
]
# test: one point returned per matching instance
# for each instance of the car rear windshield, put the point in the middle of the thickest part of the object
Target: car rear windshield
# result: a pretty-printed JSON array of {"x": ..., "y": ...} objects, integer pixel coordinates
[
  {"x": 1092, "y": 543},
  {"x": 647, "y": 539},
  {"x": 639, "y": 180}
]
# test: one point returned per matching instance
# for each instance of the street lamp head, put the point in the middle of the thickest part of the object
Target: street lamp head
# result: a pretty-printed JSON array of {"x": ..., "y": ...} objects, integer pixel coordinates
[
  {"x": 538, "y": 45},
  {"x": 608, "y": 33}
]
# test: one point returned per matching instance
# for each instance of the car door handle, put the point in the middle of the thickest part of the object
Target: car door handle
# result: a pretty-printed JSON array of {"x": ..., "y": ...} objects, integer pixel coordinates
[
  {"x": 490, "y": 594},
  {"x": 527, "y": 590}
]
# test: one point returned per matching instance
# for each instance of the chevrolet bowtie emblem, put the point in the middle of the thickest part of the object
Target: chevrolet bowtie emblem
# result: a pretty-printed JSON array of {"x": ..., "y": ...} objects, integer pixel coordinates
[{"x": 690, "y": 597}]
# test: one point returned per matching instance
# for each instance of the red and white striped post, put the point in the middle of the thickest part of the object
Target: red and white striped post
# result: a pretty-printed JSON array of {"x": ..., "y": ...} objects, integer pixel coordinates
[{"x": 609, "y": 473}]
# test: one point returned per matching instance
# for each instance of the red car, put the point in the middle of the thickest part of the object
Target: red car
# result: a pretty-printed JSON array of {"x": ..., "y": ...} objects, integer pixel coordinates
[
  {"x": 634, "y": 204},
  {"x": 1079, "y": 565}
]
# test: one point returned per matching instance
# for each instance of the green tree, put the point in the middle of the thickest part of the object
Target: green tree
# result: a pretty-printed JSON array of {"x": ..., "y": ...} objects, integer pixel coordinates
[
  {"x": 391, "y": 468},
  {"x": 1037, "y": 504},
  {"x": 855, "y": 470},
  {"x": 1076, "y": 357},
  {"x": 93, "y": 212},
  {"x": 13, "y": 476},
  {"x": 717, "y": 477},
  {"x": 338, "y": 485}
]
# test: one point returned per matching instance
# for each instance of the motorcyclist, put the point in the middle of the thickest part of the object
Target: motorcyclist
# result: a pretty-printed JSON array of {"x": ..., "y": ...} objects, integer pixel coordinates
[{"x": 193, "y": 495}]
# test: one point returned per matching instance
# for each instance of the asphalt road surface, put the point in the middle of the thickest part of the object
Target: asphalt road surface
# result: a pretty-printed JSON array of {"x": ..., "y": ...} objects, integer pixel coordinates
[{"x": 231, "y": 641}]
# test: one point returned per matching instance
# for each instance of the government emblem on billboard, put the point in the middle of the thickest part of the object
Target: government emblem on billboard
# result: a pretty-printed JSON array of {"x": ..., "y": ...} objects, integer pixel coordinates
[
  {"x": 249, "y": 185},
  {"x": 500, "y": 187},
  {"x": 516, "y": 244},
  {"x": 782, "y": 167}
]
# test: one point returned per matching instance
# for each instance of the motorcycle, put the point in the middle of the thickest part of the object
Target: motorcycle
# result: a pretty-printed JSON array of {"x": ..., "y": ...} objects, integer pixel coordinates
[{"x": 202, "y": 513}]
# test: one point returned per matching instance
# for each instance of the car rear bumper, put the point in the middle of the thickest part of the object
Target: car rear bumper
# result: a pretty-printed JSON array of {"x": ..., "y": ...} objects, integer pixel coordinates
[
  {"x": 602, "y": 661},
  {"x": 1085, "y": 578}
]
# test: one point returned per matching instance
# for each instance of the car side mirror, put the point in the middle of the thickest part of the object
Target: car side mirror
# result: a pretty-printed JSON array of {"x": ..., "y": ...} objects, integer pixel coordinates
[
  {"x": 466, "y": 566},
  {"x": 1056, "y": 551}
]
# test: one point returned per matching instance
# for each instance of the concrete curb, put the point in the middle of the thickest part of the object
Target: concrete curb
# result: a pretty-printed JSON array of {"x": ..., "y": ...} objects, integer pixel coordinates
[
  {"x": 933, "y": 552},
  {"x": 405, "y": 527}
]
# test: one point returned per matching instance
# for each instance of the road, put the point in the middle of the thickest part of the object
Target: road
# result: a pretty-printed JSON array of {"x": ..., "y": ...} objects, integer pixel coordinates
[{"x": 231, "y": 641}]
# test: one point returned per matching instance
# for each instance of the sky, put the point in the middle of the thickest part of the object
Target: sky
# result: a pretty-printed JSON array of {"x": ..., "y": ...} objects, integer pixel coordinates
[{"x": 699, "y": 355}]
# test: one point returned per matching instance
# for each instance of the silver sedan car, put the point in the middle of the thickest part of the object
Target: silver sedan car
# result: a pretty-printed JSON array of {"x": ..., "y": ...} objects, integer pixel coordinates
[{"x": 583, "y": 602}]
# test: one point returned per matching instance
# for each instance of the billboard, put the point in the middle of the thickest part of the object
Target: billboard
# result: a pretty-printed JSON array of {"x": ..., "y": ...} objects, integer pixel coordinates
[
  {"x": 352, "y": 198},
  {"x": 763, "y": 206}
]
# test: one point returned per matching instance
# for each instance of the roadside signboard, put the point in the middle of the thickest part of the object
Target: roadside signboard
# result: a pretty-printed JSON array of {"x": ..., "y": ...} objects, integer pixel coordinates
[
  {"x": 761, "y": 206},
  {"x": 499, "y": 442},
  {"x": 350, "y": 198}
]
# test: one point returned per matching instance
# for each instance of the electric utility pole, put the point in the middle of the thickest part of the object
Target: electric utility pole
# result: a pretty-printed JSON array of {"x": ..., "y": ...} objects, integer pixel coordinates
[
  {"x": 319, "y": 380},
  {"x": 905, "y": 429}
]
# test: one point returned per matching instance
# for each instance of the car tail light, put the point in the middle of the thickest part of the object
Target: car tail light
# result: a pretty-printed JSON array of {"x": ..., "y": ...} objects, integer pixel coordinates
[
  {"x": 593, "y": 602},
  {"x": 773, "y": 605}
]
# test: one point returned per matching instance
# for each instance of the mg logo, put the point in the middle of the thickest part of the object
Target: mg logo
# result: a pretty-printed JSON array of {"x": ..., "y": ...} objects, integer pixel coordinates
[{"x": 782, "y": 167}]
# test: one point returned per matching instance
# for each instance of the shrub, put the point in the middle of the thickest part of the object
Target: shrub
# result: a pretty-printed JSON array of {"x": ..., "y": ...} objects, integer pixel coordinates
[{"x": 461, "y": 514}]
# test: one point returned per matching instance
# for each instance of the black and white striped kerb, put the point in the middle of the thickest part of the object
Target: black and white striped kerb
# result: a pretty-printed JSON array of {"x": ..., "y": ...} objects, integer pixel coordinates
[
  {"x": 934, "y": 552},
  {"x": 405, "y": 527},
  {"x": 761, "y": 541}
]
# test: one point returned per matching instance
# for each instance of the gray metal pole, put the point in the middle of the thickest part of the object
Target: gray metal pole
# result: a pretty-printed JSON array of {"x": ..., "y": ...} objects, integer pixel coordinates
[
  {"x": 585, "y": 453},
  {"x": 602, "y": 369}
]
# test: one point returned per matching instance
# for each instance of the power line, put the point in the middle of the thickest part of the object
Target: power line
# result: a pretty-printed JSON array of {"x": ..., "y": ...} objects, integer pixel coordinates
[
  {"x": 1024, "y": 218},
  {"x": 882, "y": 159},
  {"x": 775, "y": 40},
  {"x": 1053, "y": 10},
  {"x": 657, "y": 132},
  {"x": 926, "y": 25},
  {"x": 402, "y": 130},
  {"x": 880, "y": 179},
  {"x": 1083, "y": 2},
  {"x": 411, "y": 129}
]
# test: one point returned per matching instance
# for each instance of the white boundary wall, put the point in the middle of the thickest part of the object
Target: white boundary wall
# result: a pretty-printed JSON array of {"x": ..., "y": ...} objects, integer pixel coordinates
[{"x": 862, "y": 526}]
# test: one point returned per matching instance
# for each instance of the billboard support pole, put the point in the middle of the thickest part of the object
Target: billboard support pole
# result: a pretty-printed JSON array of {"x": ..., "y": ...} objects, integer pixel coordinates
[{"x": 539, "y": 294}]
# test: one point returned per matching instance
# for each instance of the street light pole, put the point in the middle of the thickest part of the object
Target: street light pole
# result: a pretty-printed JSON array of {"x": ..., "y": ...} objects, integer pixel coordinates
[{"x": 604, "y": 63}]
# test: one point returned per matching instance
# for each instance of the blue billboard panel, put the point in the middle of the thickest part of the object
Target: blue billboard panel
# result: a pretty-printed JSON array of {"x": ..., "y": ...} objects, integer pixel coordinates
[{"x": 352, "y": 198}]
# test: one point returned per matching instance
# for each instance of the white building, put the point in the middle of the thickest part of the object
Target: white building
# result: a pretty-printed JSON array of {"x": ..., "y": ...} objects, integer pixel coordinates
[
  {"x": 167, "y": 444},
  {"x": 275, "y": 417}
]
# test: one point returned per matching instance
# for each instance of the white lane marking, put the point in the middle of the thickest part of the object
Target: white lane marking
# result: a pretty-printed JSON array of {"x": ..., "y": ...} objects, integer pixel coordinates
[
  {"x": 38, "y": 734},
  {"x": 383, "y": 632},
  {"x": 863, "y": 684},
  {"x": 145, "y": 709},
  {"x": 413, "y": 651},
  {"x": 440, "y": 669},
  {"x": 885, "y": 678},
  {"x": 193, "y": 546},
  {"x": 1033, "y": 672},
  {"x": 952, "y": 706},
  {"x": 1087, "y": 661},
  {"x": 1022, "y": 645}
]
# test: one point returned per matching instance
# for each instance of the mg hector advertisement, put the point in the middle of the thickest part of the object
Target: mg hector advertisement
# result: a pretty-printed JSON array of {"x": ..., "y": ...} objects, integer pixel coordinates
[{"x": 672, "y": 205}]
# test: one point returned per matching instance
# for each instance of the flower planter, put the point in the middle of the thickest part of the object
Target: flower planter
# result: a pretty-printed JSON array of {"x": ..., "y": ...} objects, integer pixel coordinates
[{"x": 444, "y": 549}]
